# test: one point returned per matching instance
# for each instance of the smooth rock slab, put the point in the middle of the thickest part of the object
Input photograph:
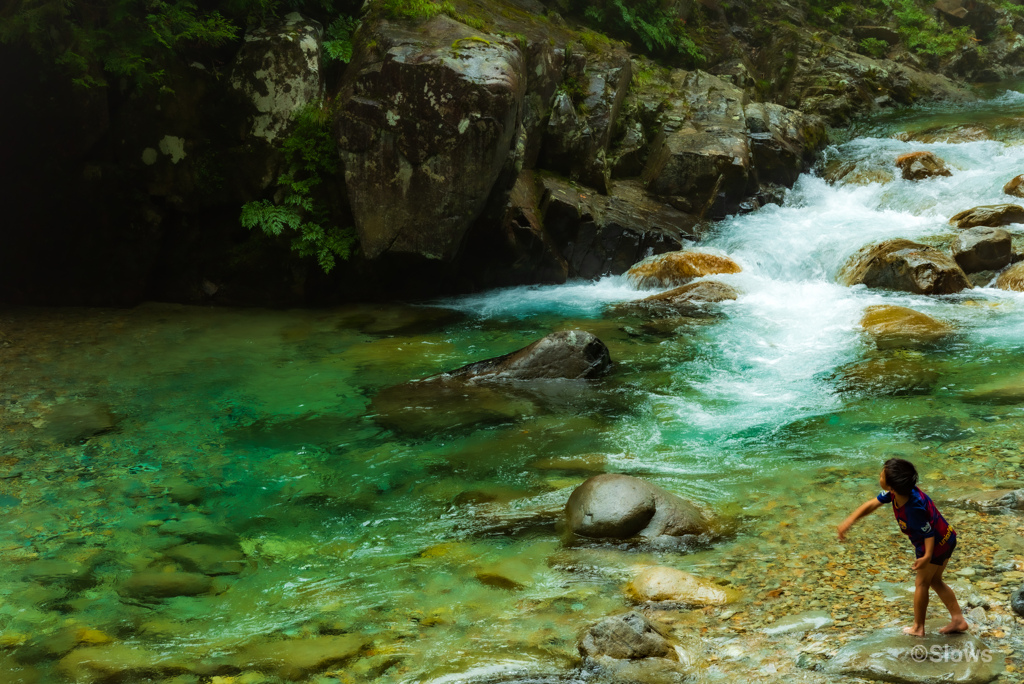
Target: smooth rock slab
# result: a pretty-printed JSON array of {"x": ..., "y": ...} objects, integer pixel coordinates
[{"x": 891, "y": 656}]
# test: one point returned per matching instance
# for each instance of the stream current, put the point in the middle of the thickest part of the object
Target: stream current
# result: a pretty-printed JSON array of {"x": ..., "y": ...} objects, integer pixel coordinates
[{"x": 425, "y": 533}]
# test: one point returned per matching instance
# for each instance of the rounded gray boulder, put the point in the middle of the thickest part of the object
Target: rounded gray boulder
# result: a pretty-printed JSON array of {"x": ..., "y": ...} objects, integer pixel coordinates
[{"x": 620, "y": 507}]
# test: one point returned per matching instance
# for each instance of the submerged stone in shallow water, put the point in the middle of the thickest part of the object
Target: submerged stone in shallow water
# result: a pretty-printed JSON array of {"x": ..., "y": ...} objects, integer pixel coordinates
[
  {"x": 891, "y": 656},
  {"x": 117, "y": 662},
  {"x": 295, "y": 659},
  {"x": 627, "y": 636},
  {"x": 158, "y": 585},
  {"x": 669, "y": 584},
  {"x": 898, "y": 326}
]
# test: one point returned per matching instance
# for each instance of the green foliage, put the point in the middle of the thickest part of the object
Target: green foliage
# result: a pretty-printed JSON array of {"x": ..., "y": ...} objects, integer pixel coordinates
[
  {"x": 923, "y": 33},
  {"x": 338, "y": 39},
  {"x": 832, "y": 13},
  {"x": 874, "y": 47},
  {"x": 650, "y": 22},
  {"x": 302, "y": 207},
  {"x": 415, "y": 9},
  {"x": 122, "y": 38}
]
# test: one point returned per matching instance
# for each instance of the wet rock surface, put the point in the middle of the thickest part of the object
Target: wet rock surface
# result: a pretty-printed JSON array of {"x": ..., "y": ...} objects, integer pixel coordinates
[
  {"x": 669, "y": 584},
  {"x": 983, "y": 249},
  {"x": 569, "y": 354},
  {"x": 621, "y": 507},
  {"x": 898, "y": 326},
  {"x": 992, "y": 215},
  {"x": 921, "y": 165},
  {"x": 904, "y": 265},
  {"x": 678, "y": 268},
  {"x": 296, "y": 659},
  {"x": 1012, "y": 278},
  {"x": 1015, "y": 186},
  {"x": 630, "y": 636},
  {"x": 891, "y": 656}
]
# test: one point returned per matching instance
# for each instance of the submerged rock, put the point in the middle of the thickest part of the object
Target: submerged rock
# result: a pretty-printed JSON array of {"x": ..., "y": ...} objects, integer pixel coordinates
[
  {"x": 896, "y": 377},
  {"x": 78, "y": 420},
  {"x": 906, "y": 266},
  {"x": 921, "y": 165},
  {"x": 678, "y": 268},
  {"x": 668, "y": 584},
  {"x": 208, "y": 559},
  {"x": 983, "y": 249},
  {"x": 296, "y": 659},
  {"x": 430, "y": 405},
  {"x": 898, "y": 326},
  {"x": 629, "y": 636},
  {"x": 620, "y": 507},
  {"x": 1012, "y": 278},
  {"x": 686, "y": 297},
  {"x": 992, "y": 215},
  {"x": 117, "y": 662},
  {"x": 160, "y": 585},
  {"x": 891, "y": 656}
]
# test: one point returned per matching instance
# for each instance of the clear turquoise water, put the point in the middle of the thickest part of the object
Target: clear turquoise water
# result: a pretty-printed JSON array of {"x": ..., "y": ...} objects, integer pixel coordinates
[{"x": 353, "y": 521}]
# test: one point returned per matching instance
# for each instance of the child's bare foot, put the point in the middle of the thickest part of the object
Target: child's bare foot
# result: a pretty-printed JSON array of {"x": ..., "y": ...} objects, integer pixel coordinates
[
  {"x": 955, "y": 626},
  {"x": 916, "y": 630}
]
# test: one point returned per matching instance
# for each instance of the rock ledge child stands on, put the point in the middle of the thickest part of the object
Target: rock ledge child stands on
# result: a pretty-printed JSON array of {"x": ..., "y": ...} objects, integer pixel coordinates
[{"x": 933, "y": 539}]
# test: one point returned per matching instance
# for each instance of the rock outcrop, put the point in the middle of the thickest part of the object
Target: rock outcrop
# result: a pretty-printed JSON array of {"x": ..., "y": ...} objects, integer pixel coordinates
[
  {"x": 612, "y": 506},
  {"x": 678, "y": 268},
  {"x": 906, "y": 266},
  {"x": 983, "y": 249},
  {"x": 426, "y": 124},
  {"x": 992, "y": 215},
  {"x": 921, "y": 165},
  {"x": 278, "y": 72}
]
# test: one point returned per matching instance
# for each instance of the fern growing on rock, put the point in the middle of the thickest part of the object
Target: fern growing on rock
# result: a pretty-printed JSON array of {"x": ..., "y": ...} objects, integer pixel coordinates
[{"x": 302, "y": 208}]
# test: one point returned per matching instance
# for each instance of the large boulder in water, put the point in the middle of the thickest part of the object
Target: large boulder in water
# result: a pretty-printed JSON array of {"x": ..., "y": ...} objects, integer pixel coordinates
[
  {"x": 983, "y": 249},
  {"x": 662, "y": 583},
  {"x": 690, "y": 300},
  {"x": 891, "y": 656},
  {"x": 993, "y": 215},
  {"x": 569, "y": 354},
  {"x": 621, "y": 507},
  {"x": 921, "y": 165},
  {"x": 673, "y": 269},
  {"x": 906, "y": 266},
  {"x": 898, "y": 326},
  {"x": 425, "y": 125}
]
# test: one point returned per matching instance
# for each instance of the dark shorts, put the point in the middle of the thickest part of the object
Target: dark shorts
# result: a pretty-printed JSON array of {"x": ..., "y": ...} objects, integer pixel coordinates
[{"x": 940, "y": 556}]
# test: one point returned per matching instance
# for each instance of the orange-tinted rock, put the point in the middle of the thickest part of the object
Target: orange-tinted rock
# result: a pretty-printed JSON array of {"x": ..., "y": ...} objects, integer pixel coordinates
[
  {"x": 668, "y": 584},
  {"x": 898, "y": 326},
  {"x": 993, "y": 215},
  {"x": 905, "y": 266},
  {"x": 1014, "y": 186},
  {"x": 1012, "y": 278},
  {"x": 678, "y": 268},
  {"x": 921, "y": 165}
]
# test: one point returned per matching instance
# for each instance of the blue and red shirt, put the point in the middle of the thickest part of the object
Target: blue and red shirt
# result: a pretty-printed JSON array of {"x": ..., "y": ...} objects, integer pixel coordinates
[{"x": 919, "y": 519}]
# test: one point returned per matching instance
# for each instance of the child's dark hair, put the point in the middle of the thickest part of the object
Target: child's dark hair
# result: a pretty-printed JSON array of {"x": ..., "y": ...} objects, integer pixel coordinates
[{"x": 901, "y": 475}]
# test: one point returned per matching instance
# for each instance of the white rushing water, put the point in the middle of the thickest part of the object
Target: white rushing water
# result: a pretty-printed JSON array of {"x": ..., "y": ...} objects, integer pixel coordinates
[{"x": 761, "y": 367}]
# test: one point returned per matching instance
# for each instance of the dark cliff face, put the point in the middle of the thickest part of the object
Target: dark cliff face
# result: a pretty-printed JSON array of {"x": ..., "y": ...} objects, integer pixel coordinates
[{"x": 506, "y": 145}]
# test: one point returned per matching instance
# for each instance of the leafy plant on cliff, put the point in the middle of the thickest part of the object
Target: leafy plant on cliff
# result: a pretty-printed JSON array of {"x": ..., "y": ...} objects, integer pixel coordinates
[
  {"x": 656, "y": 26},
  {"x": 923, "y": 33},
  {"x": 302, "y": 206},
  {"x": 122, "y": 38},
  {"x": 338, "y": 43}
]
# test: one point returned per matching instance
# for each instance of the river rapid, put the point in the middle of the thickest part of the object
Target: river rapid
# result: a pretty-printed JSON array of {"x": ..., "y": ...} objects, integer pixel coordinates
[{"x": 253, "y": 434}]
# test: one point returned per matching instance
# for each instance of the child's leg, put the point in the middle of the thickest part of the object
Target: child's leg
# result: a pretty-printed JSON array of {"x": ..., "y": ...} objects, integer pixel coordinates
[
  {"x": 957, "y": 623},
  {"x": 921, "y": 588}
]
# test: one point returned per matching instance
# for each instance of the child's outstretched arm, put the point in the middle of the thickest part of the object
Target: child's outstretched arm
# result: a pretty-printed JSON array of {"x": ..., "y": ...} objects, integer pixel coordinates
[{"x": 865, "y": 508}]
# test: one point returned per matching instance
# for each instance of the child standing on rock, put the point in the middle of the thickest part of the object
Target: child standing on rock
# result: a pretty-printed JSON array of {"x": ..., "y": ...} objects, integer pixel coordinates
[{"x": 933, "y": 539}]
